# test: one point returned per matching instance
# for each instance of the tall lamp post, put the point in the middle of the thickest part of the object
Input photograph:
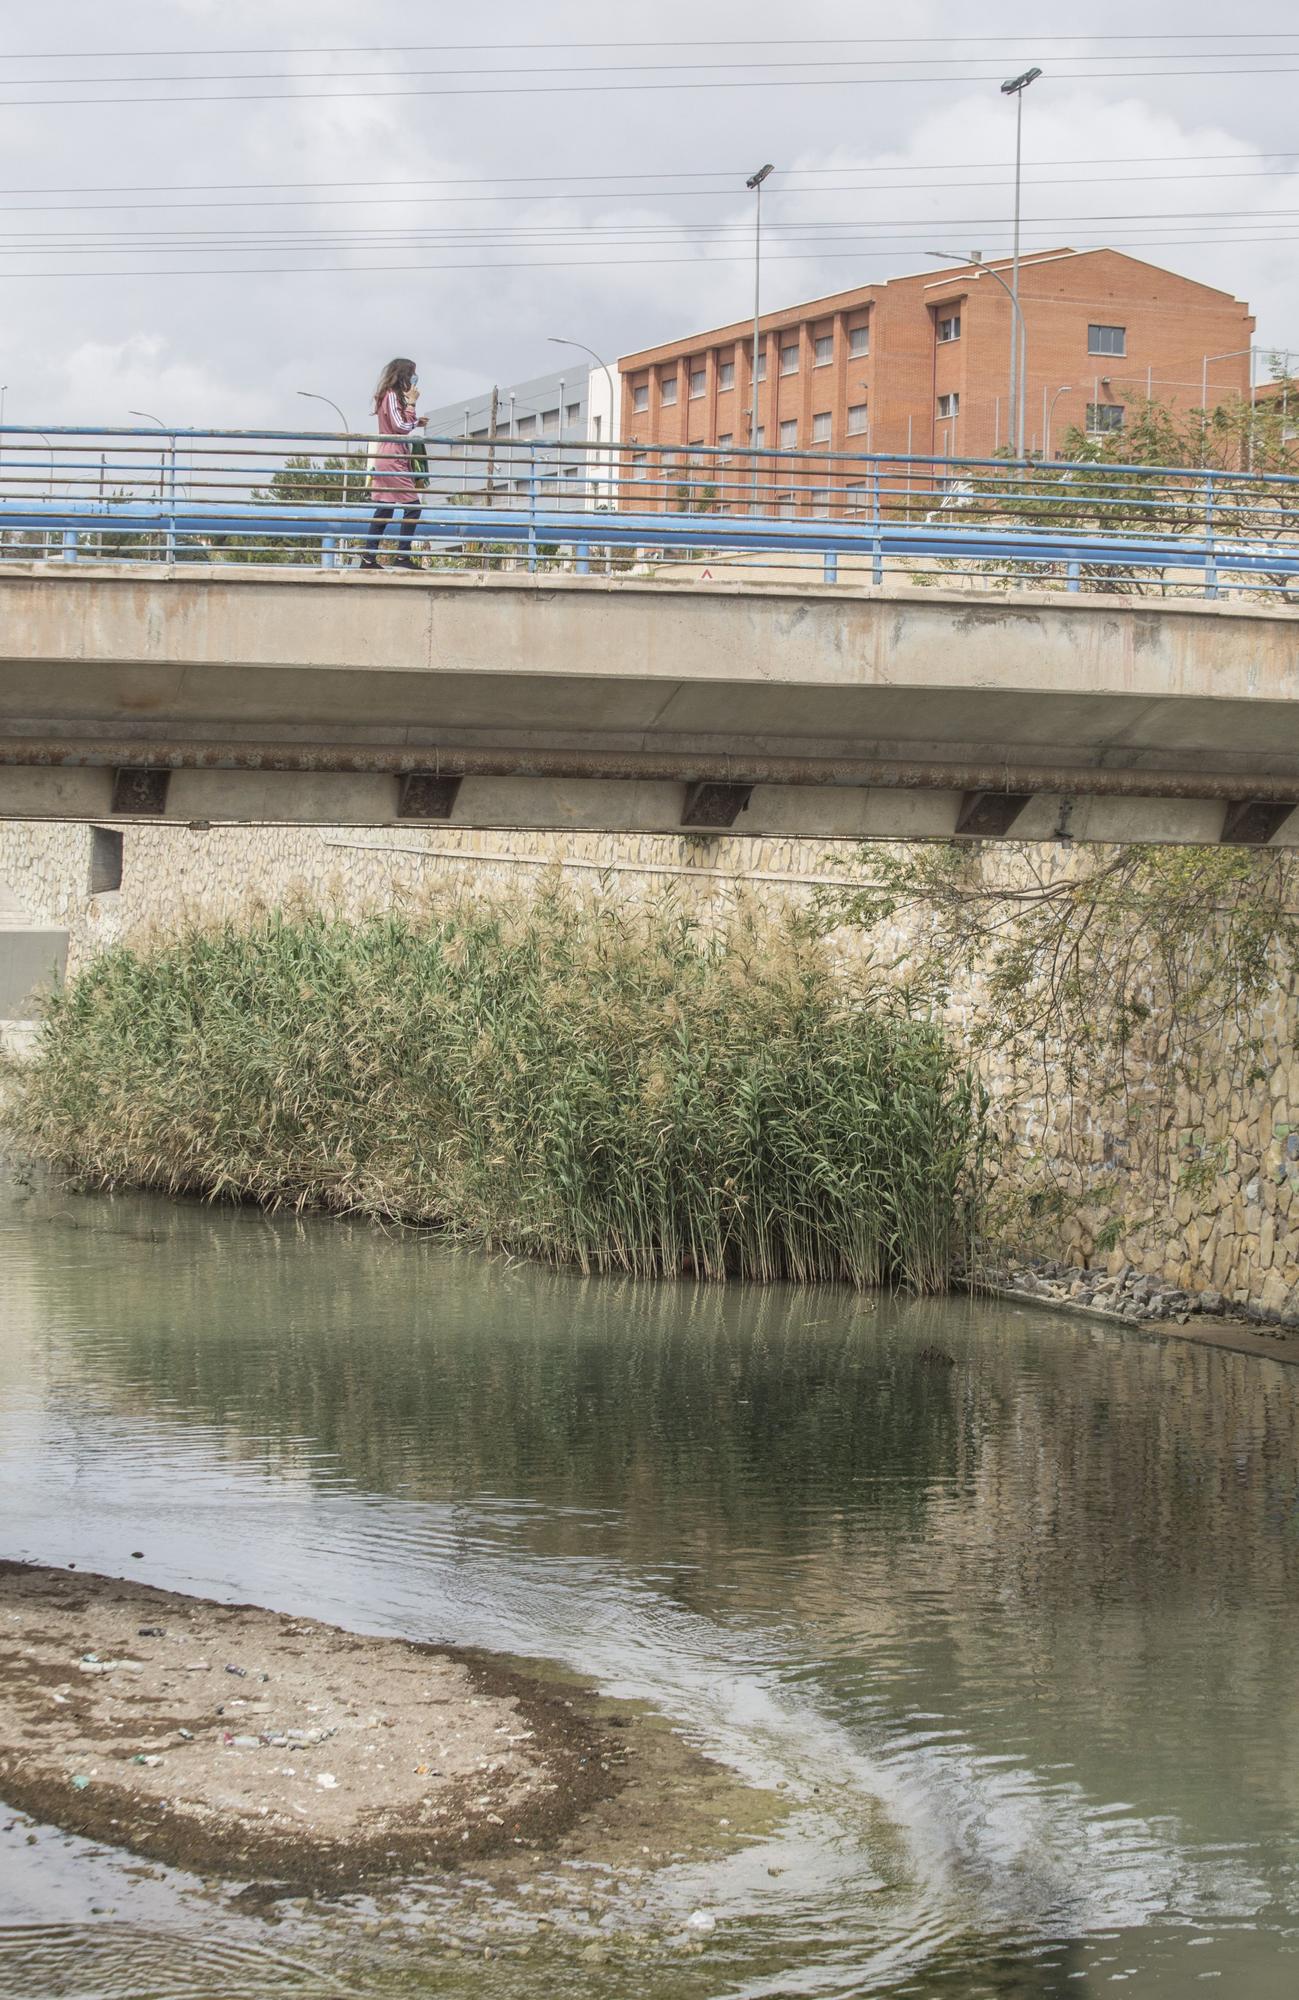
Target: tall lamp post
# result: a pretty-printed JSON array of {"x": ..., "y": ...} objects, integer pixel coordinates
[
  {"x": 558, "y": 340},
  {"x": 755, "y": 182},
  {"x": 1015, "y": 87},
  {"x": 1048, "y": 416},
  {"x": 312, "y": 397},
  {"x": 975, "y": 258},
  {"x": 1204, "y": 395},
  {"x": 149, "y": 418}
]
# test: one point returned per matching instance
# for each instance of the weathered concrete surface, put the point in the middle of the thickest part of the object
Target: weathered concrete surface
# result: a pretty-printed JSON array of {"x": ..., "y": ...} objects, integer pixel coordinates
[
  {"x": 590, "y": 702},
  {"x": 33, "y": 960}
]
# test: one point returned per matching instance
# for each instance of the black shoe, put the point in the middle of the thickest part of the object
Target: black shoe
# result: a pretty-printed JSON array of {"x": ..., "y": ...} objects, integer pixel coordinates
[
  {"x": 405, "y": 562},
  {"x": 369, "y": 562}
]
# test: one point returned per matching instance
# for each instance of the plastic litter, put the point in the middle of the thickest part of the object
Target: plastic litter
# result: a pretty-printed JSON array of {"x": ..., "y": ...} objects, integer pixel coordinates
[
  {"x": 701, "y": 1920},
  {"x": 146, "y": 1760},
  {"x": 241, "y": 1671},
  {"x": 80, "y": 1782},
  {"x": 151, "y": 1632},
  {"x": 186, "y": 1735},
  {"x": 326, "y": 1780}
]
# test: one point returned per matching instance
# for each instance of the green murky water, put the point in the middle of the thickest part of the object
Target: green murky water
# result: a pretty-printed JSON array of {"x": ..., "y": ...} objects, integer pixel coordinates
[{"x": 1018, "y": 1637}]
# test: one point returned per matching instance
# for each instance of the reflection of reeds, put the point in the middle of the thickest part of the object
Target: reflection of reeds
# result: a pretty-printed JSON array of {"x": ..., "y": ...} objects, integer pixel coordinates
[{"x": 587, "y": 1082}]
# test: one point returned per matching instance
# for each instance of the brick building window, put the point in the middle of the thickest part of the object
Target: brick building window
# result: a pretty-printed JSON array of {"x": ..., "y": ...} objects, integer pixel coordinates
[
  {"x": 788, "y": 433},
  {"x": 859, "y": 340},
  {"x": 949, "y": 327},
  {"x": 1107, "y": 340},
  {"x": 855, "y": 496},
  {"x": 668, "y": 389},
  {"x": 786, "y": 504},
  {"x": 726, "y": 440},
  {"x": 759, "y": 436},
  {"x": 821, "y": 498},
  {"x": 821, "y": 427},
  {"x": 823, "y": 350},
  {"x": 640, "y": 396},
  {"x": 949, "y": 406},
  {"x": 726, "y": 375},
  {"x": 698, "y": 382},
  {"x": 789, "y": 358},
  {"x": 857, "y": 419},
  {"x": 1105, "y": 416}
]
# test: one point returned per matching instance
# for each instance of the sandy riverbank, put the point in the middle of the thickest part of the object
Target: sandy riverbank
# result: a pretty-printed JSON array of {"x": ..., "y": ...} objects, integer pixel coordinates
[{"x": 250, "y": 1744}]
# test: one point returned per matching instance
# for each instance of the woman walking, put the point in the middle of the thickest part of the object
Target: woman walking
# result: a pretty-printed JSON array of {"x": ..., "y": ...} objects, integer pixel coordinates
[{"x": 392, "y": 485}]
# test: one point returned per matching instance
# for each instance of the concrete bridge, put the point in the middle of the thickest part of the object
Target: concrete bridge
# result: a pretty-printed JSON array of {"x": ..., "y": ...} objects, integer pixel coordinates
[{"x": 587, "y": 702}]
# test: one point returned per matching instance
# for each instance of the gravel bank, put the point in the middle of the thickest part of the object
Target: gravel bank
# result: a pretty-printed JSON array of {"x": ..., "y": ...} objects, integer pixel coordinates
[{"x": 242, "y": 1742}]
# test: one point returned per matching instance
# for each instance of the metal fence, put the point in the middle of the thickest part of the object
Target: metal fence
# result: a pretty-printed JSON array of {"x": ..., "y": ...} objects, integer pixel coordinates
[{"x": 304, "y": 499}]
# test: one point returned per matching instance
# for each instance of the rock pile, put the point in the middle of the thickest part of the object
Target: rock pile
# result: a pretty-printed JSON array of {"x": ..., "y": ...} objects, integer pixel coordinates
[{"x": 1131, "y": 1294}]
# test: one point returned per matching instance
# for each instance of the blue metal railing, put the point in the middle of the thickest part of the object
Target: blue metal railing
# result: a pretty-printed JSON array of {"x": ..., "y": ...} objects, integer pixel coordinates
[{"x": 303, "y": 498}]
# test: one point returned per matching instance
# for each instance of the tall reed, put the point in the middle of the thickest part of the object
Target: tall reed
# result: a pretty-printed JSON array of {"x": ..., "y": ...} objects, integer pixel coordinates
[{"x": 580, "y": 1080}]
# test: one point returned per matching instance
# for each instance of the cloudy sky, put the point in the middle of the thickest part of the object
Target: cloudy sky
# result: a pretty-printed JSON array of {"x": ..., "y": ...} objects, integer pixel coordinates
[{"x": 213, "y": 204}]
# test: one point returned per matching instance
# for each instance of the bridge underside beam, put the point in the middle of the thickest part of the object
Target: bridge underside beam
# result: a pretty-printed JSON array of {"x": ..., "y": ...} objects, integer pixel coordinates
[{"x": 650, "y": 804}]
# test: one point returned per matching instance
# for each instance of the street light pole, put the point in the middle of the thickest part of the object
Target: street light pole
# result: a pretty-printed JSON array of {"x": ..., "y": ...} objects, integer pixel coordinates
[
  {"x": 975, "y": 258},
  {"x": 558, "y": 340},
  {"x": 313, "y": 397},
  {"x": 1049, "y": 418},
  {"x": 1233, "y": 354},
  {"x": 1015, "y": 87},
  {"x": 755, "y": 182},
  {"x": 162, "y": 467}
]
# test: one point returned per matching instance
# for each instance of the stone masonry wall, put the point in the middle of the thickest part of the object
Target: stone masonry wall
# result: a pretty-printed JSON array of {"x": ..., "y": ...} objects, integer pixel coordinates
[{"x": 1203, "y": 1193}]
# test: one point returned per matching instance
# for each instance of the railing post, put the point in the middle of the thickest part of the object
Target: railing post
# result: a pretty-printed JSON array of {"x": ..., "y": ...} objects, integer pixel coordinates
[
  {"x": 171, "y": 501},
  {"x": 1073, "y": 571},
  {"x": 328, "y": 544},
  {"x": 584, "y": 559},
  {"x": 532, "y": 509},
  {"x": 69, "y": 545},
  {"x": 830, "y": 568},
  {"x": 877, "y": 567},
  {"x": 1210, "y": 557}
]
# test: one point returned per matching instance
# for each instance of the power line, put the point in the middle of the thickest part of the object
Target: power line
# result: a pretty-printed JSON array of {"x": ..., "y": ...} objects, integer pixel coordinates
[
  {"x": 698, "y": 173},
  {"x": 1177, "y": 218},
  {"x": 605, "y": 89},
  {"x": 513, "y": 48},
  {"x": 891, "y": 251},
  {"x": 596, "y": 69},
  {"x": 816, "y": 237}
]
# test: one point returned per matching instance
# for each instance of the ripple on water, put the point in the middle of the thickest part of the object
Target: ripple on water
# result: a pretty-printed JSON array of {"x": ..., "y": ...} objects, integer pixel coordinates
[
  {"x": 118, "y": 1961},
  {"x": 1019, "y": 1638}
]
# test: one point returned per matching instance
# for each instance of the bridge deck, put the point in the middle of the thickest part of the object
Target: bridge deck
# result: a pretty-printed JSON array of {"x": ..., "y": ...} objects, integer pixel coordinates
[{"x": 541, "y": 700}]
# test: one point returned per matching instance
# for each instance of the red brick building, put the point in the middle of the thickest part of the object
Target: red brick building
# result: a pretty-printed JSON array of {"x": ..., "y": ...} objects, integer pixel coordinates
[{"x": 922, "y": 364}]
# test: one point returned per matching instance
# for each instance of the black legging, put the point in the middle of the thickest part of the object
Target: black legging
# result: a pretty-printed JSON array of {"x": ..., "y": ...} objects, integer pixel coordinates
[{"x": 382, "y": 516}]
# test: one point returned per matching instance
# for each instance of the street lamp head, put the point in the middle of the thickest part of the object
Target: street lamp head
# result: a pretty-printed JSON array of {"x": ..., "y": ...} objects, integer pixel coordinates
[
  {"x": 1015, "y": 84},
  {"x": 756, "y": 180},
  {"x": 954, "y": 256}
]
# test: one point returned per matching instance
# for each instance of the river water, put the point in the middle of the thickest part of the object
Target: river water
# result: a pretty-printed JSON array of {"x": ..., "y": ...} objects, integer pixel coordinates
[{"x": 1017, "y": 1638}]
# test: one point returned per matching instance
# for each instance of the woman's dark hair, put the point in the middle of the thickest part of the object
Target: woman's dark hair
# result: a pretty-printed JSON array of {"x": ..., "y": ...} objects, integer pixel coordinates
[{"x": 398, "y": 375}]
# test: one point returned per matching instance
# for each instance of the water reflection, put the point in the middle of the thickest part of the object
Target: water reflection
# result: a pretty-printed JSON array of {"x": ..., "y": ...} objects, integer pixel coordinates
[{"x": 1041, "y": 1603}]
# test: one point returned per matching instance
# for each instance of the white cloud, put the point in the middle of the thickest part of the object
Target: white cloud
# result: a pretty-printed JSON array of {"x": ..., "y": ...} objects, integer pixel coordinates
[{"x": 234, "y": 348}]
